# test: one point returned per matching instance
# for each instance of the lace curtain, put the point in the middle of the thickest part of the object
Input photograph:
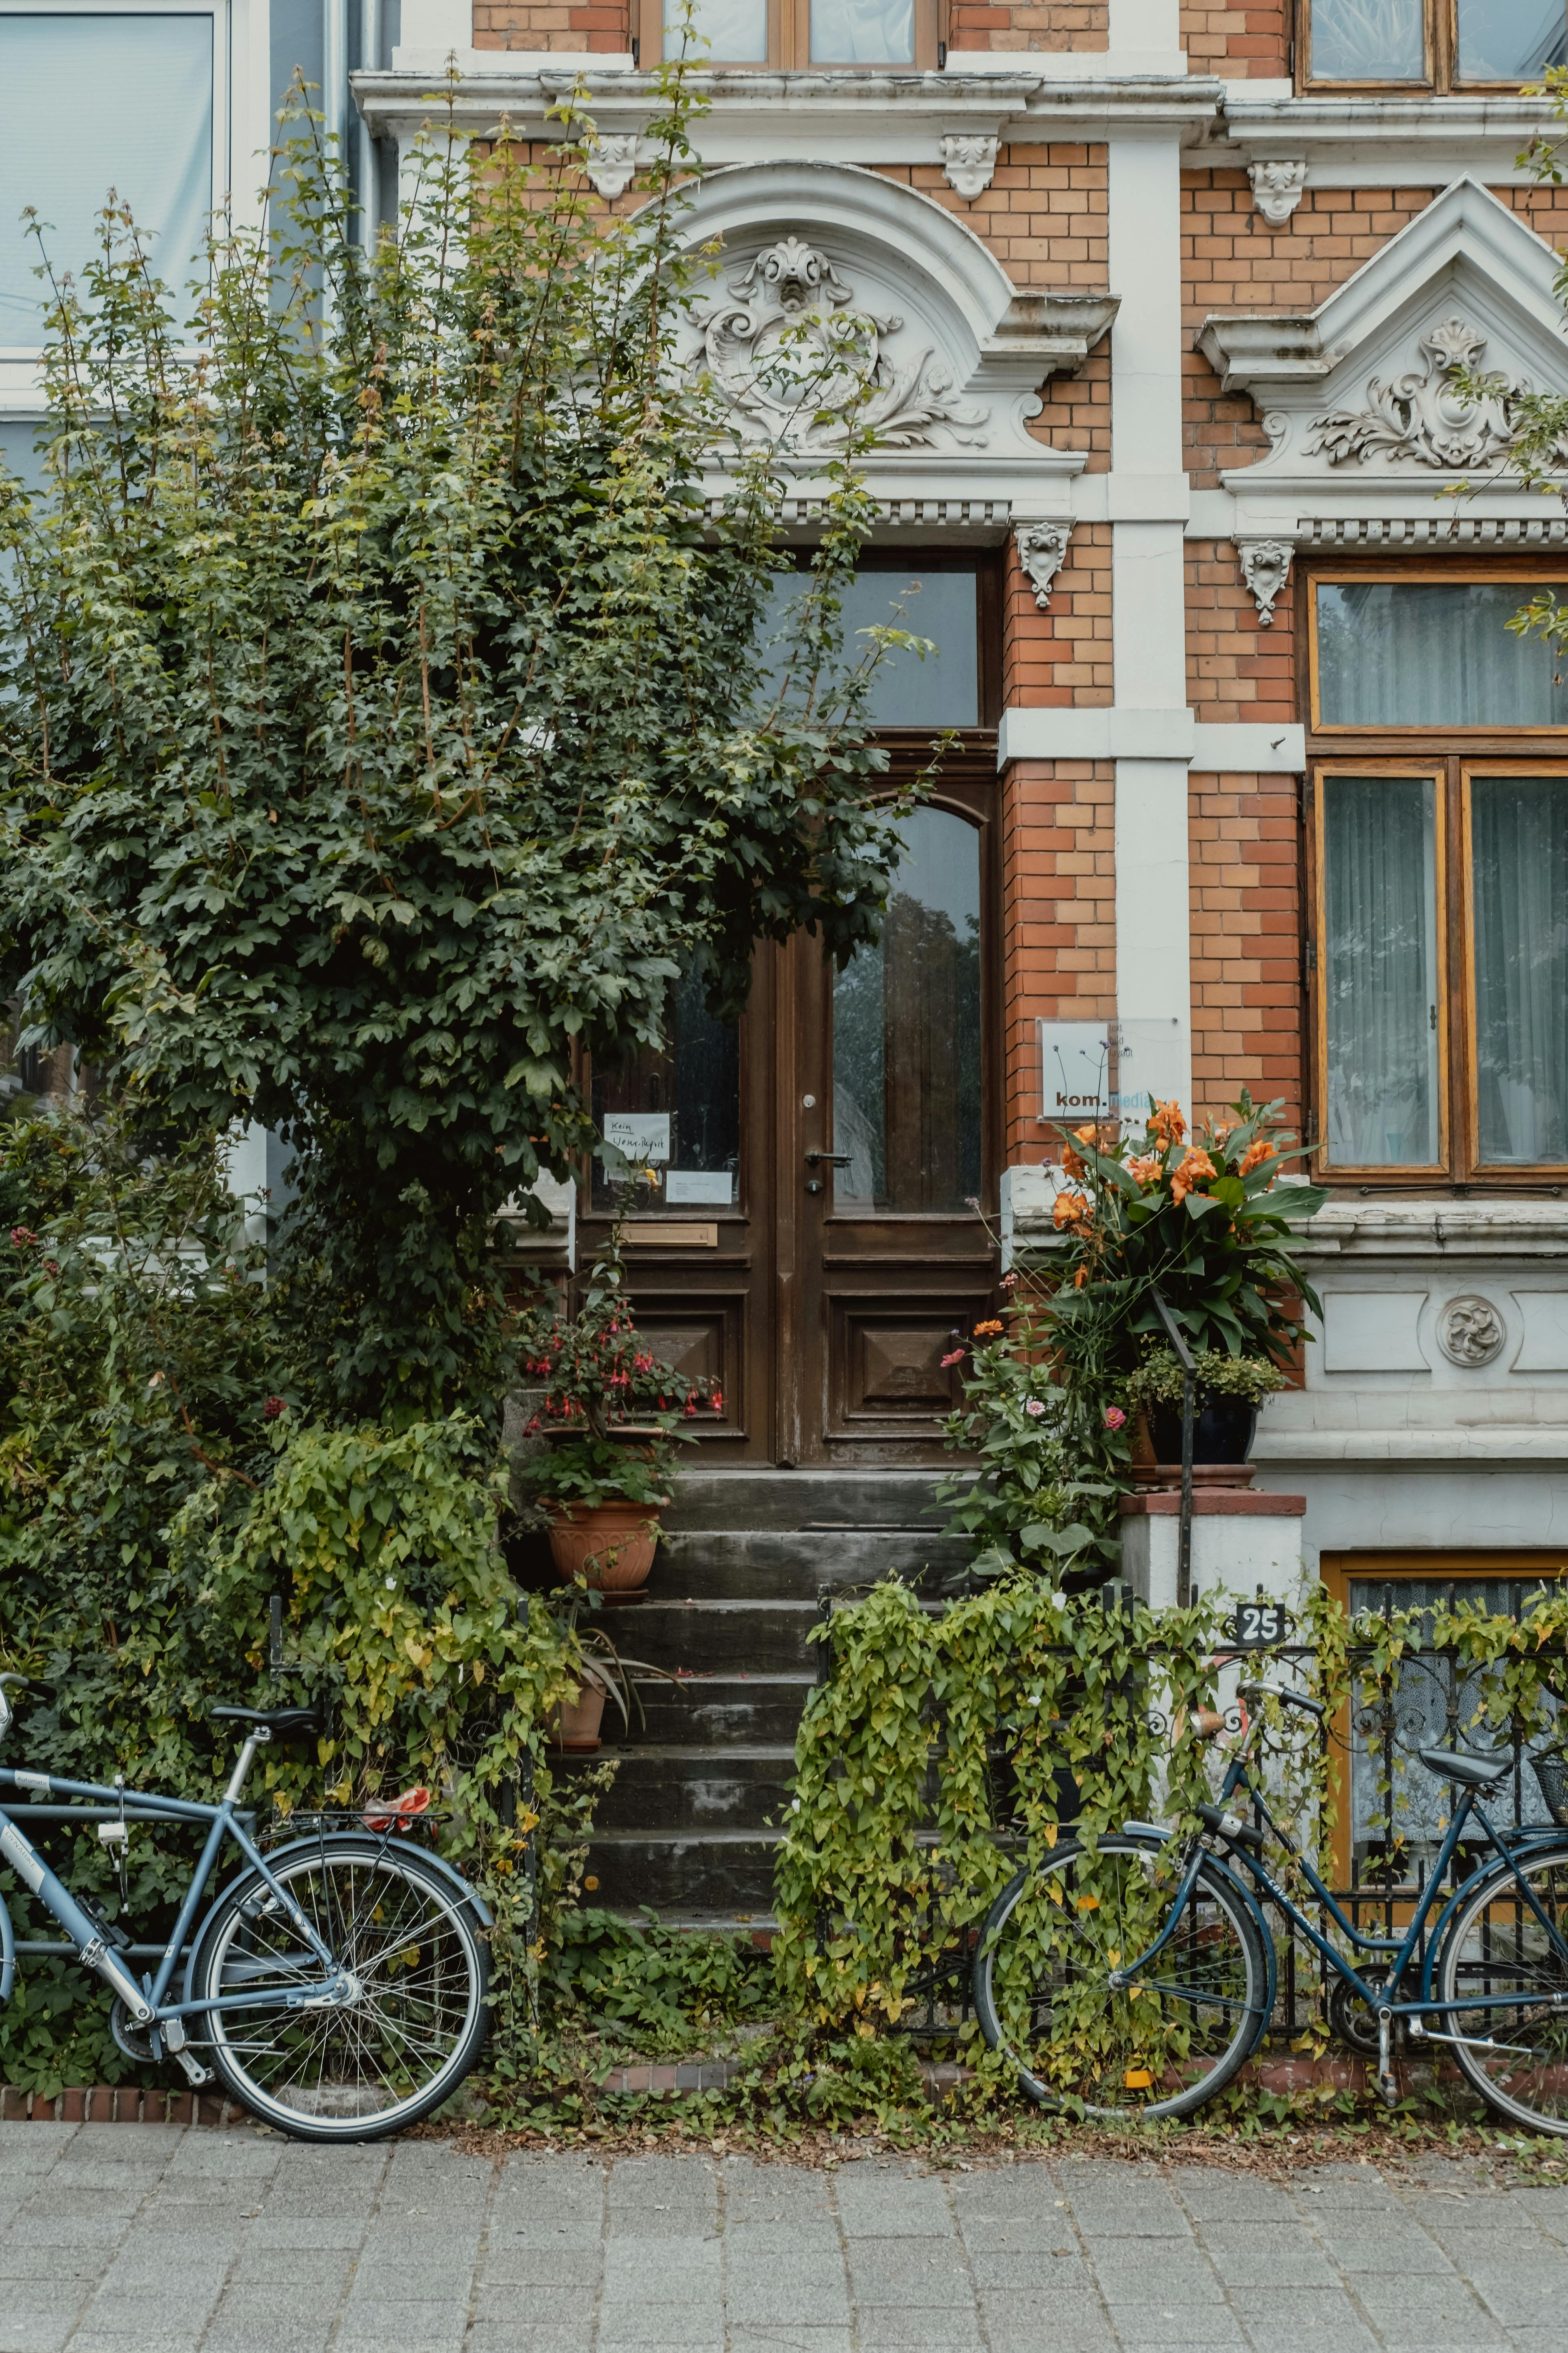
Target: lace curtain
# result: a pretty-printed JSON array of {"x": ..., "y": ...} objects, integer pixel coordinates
[
  {"x": 1519, "y": 882},
  {"x": 1380, "y": 970}
]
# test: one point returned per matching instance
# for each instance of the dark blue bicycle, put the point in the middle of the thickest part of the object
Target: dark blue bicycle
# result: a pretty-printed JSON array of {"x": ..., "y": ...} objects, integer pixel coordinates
[
  {"x": 1135, "y": 1975},
  {"x": 337, "y": 1985}
]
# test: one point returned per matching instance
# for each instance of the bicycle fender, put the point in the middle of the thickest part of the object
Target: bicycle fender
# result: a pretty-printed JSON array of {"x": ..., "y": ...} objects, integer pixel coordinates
[
  {"x": 7, "y": 1955},
  {"x": 1437, "y": 1934},
  {"x": 366, "y": 1843},
  {"x": 1156, "y": 1834}
]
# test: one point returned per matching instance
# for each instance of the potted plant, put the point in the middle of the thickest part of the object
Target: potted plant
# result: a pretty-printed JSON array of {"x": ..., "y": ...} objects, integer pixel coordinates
[
  {"x": 1203, "y": 1222},
  {"x": 606, "y": 1676},
  {"x": 611, "y": 1416}
]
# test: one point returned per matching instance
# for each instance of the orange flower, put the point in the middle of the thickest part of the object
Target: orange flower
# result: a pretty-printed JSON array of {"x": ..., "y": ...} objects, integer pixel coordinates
[
  {"x": 1166, "y": 1122},
  {"x": 1071, "y": 1162},
  {"x": 1080, "y": 1278},
  {"x": 1098, "y": 1139},
  {"x": 989, "y": 1330},
  {"x": 1190, "y": 1171},
  {"x": 1255, "y": 1155},
  {"x": 1070, "y": 1209},
  {"x": 1145, "y": 1166}
]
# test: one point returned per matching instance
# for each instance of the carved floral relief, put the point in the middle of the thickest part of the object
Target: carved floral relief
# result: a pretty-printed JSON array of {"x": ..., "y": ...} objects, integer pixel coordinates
[{"x": 1429, "y": 416}]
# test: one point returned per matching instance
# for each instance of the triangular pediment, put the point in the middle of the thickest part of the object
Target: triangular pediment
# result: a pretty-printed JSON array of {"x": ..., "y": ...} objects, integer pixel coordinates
[{"x": 1364, "y": 390}]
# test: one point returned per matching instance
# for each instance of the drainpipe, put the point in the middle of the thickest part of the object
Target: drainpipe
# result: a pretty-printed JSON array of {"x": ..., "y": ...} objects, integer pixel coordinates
[{"x": 370, "y": 57}]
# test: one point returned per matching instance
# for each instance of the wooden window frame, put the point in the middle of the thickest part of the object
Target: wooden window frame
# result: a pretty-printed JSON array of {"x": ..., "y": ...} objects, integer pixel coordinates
[
  {"x": 1336, "y": 1570},
  {"x": 1440, "y": 26},
  {"x": 1524, "y": 576},
  {"x": 789, "y": 42},
  {"x": 1454, "y": 758}
]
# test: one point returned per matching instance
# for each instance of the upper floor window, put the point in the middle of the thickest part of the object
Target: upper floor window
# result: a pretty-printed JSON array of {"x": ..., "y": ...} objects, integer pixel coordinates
[
  {"x": 102, "y": 98},
  {"x": 1434, "y": 44},
  {"x": 1440, "y": 845},
  {"x": 796, "y": 33}
]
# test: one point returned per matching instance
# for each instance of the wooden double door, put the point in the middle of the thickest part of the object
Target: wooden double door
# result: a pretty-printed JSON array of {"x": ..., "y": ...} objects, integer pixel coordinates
[{"x": 814, "y": 1237}]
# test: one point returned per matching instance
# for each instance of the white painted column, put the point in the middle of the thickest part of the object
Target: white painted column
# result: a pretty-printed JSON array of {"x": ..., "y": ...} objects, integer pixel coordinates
[{"x": 1148, "y": 590}]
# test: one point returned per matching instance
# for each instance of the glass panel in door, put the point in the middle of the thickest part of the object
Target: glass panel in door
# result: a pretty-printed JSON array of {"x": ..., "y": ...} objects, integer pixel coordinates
[
  {"x": 907, "y": 1112},
  {"x": 676, "y": 1115}
]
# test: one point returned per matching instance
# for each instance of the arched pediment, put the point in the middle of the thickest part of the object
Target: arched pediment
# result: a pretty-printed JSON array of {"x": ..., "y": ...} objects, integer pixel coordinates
[{"x": 838, "y": 297}]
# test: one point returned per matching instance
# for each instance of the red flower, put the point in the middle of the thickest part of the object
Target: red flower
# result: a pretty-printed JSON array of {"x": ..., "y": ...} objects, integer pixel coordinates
[
  {"x": 717, "y": 1401},
  {"x": 21, "y": 1236},
  {"x": 272, "y": 1407},
  {"x": 953, "y": 1356}
]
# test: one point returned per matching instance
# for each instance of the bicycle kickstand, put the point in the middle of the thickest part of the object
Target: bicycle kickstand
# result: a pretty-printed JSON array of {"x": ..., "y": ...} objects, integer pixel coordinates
[{"x": 1387, "y": 2079}]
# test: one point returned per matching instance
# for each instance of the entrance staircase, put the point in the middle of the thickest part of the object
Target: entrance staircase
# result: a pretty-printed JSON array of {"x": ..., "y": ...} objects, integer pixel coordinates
[{"x": 692, "y": 1819}]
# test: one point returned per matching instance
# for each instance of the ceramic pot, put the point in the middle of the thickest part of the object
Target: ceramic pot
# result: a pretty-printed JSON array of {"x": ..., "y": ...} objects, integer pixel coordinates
[
  {"x": 578, "y": 1724},
  {"x": 609, "y": 1545},
  {"x": 1223, "y": 1429}
]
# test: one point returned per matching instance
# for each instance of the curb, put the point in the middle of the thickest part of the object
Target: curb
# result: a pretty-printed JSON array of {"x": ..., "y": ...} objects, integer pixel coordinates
[{"x": 119, "y": 2103}]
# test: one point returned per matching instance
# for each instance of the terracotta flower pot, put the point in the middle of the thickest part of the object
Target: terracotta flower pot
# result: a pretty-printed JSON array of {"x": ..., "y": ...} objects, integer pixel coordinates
[
  {"x": 577, "y": 1725},
  {"x": 609, "y": 1545}
]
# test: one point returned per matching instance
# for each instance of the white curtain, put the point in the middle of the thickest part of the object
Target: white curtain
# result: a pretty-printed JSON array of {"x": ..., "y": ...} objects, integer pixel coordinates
[
  {"x": 1509, "y": 40},
  {"x": 1519, "y": 882},
  {"x": 1427, "y": 654},
  {"x": 1367, "y": 41},
  {"x": 862, "y": 32},
  {"x": 1380, "y": 970},
  {"x": 90, "y": 103},
  {"x": 735, "y": 31}
]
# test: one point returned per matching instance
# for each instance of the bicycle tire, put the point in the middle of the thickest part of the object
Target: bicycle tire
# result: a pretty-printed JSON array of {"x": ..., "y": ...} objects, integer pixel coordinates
[
  {"x": 1137, "y": 2044},
  {"x": 1492, "y": 1940},
  {"x": 374, "y": 2066}
]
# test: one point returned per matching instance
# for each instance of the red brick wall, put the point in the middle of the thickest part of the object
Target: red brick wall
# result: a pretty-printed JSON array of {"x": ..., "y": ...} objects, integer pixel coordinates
[
  {"x": 1063, "y": 655},
  {"x": 1244, "y": 841},
  {"x": 1244, "y": 39},
  {"x": 1058, "y": 919},
  {"x": 1029, "y": 24},
  {"x": 1236, "y": 669},
  {"x": 1043, "y": 215},
  {"x": 601, "y": 25}
]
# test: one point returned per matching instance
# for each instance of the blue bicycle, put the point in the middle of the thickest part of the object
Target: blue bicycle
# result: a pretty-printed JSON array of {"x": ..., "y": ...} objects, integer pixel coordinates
[
  {"x": 337, "y": 1985},
  {"x": 1134, "y": 1975}
]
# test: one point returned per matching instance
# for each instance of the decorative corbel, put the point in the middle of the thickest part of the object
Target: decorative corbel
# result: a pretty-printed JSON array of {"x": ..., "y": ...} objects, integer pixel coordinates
[
  {"x": 968, "y": 161},
  {"x": 1277, "y": 188},
  {"x": 1265, "y": 568},
  {"x": 1042, "y": 551},
  {"x": 612, "y": 162}
]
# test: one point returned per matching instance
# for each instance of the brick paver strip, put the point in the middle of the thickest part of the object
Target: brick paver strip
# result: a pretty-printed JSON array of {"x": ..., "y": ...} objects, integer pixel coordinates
[{"x": 160, "y": 2238}]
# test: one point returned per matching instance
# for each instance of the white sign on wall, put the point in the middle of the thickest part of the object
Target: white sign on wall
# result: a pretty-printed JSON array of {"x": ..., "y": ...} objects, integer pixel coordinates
[{"x": 1108, "y": 1069}]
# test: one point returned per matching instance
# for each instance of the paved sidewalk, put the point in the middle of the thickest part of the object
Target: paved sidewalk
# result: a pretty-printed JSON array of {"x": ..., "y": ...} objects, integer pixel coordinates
[{"x": 147, "y": 2239}]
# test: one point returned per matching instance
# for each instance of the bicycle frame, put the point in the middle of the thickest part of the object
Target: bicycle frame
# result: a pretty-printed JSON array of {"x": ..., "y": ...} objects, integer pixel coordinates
[
  {"x": 147, "y": 2000},
  {"x": 1379, "y": 1996}
]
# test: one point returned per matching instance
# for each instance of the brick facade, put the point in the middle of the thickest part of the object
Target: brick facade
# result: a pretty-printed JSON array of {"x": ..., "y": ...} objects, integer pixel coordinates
[
  {"x": 1246, "y": 896},
  {"x": 1058, "y": 919}
]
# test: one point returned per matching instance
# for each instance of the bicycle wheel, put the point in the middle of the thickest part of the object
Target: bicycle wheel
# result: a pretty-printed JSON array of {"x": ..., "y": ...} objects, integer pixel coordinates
[
  {"x": 418, "y": 1952},
  {"x": 1158, "y": 2047},
  {"x": 1500, "y": 1944}
]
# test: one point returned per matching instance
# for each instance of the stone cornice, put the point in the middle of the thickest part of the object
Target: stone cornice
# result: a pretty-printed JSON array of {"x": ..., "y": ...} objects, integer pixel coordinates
[
  {"x": 839, "y": 116},
  {"x": 1495, "y": 1226}
]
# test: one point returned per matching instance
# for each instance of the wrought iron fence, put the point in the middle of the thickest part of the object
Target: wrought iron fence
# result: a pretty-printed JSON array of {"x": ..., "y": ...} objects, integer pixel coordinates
[{"x": 1390, "y": 1809}]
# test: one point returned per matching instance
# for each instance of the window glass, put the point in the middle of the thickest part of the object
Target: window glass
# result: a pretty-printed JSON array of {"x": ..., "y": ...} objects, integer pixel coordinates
[
  {"x": 1519, "y": 885},
  {"x": 732, "y": 30},
  {"x": 1368, "y": 41},
  {"x": 18, "y": 454},
  {"x": 676, "y": 1115},
  {"x": 1395, "y": 653},
  {"x": 1510, "y": 40},
  {"x": 862, "y": 32},
  {"x": 122, "y": 102},
  {"x": 1379, "y": 979},
  {"x": 941, "y": 690},
  {"x": 906, "y": 1034}
]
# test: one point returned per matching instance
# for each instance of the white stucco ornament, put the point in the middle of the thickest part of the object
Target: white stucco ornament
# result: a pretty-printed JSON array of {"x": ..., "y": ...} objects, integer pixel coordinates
[
  {"x": 1470, "y": 1332},
  {"x": 612, "y": 162},
  {"x": 1042, "y": 550},
  {"x": 969, "y": 161},
  {"x": 795, "y": 356},
  {"x": 1277, "y": 186},
  {"x": 1428, "y": 416},
  {"x": 1265, "y": 568}
]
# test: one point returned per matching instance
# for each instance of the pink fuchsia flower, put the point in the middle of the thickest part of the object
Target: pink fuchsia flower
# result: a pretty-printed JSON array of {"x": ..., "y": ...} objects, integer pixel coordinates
[
  {"x": 1115, "y": 1419},
  {"x": 953, "y": 1356},
  {"x": 1034, "y": 1407}
]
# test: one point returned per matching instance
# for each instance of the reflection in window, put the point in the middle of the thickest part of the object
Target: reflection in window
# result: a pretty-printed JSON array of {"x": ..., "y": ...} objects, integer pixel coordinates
[
  {"x": 940, "y": 690},
  {"x": 906, "y": 1034},
  {"x": 1519, "y": 881},
  {"x": 862, "y": 32},
  {"x": 734, "y": 31},
  {"x": 1510, "y": 40},
  {"x": 1397, "y": 653},
  {"x": 122, "y": 102},
  {"x": 1368, "y": 41},
  {"x": 677, "y": 1113},
  {"x": 1435, "y": 1705},
  {"x": 1380, "y": 970}
]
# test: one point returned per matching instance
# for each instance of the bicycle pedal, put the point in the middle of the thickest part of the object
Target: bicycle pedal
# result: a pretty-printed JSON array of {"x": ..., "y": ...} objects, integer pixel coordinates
[{"x": 195, "y": 2073}]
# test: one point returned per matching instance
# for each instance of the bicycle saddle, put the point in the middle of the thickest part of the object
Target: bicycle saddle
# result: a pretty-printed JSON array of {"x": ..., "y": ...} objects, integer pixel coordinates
[
  {"x": 1451, "y": 1764},
  {"x": 279, "y": 1721}
]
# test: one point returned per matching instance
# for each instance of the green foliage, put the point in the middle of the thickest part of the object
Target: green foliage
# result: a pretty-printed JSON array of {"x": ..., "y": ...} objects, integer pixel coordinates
[
  {"x": 384, "y": 726},
  {"x": 1158, "y": 1379},
  {"x": 1051, "y": 1454},
  {"x": 1201, "y": 1221},
  {"x": 610, "y": 1411}
]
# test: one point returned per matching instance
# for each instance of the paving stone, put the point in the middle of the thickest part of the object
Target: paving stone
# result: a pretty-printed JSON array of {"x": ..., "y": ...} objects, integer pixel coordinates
[
  {"x": 1268, "y": 2257},
  {"x": 1073, "y": 2324},
  {"x": 1155, "y": 2322},
  {"x": 881, "y": 2202},
  {"x": 1285, "y": 2320},
  {"x": 888, "y": 2325},
  {"x": 661, "y": 2268},
  {"x": 680, "y": 2326},
  {"x": 1049, "y": 2273},
  {"x": 887, "y": 2271}
]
